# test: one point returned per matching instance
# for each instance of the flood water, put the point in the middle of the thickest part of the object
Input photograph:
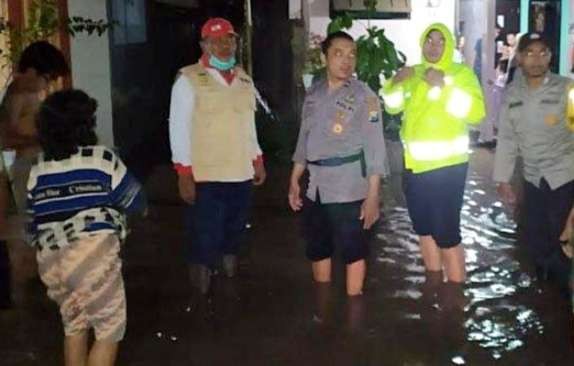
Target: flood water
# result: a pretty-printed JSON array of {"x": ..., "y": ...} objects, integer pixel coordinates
[{"x": 272, "y": 314}]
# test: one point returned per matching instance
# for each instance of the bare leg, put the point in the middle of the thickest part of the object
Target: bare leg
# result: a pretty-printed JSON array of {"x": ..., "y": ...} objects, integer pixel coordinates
[
  {"x": 356, "y": 277},
  {"x": 103, "y": 353},
  {"x": 322, "y": 270},
  {"x": 76, "y": 349},
  {"x": 453, "y": 259},
  {"x": 431, "y": 253}
]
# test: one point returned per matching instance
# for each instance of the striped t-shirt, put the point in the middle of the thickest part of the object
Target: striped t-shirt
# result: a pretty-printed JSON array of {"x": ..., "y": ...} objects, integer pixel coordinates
[{"x": 86, "y": 193}]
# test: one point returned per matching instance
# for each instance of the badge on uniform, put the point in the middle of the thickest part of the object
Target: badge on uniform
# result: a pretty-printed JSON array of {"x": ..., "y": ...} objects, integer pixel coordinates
[
  {"x": 203, "y": 78},
  {"x": 337, "y": 128},
  {"x": 373, "y": 106},
  {"x": 551, "y": 119},
  {"x": 350, "y": 99},
  {"x": 570, "y": 108},
  {"x": 338, "y": 124}
]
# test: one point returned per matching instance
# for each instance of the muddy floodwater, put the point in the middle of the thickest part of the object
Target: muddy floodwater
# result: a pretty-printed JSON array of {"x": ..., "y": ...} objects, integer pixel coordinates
[{"x": 272, "y": 314}]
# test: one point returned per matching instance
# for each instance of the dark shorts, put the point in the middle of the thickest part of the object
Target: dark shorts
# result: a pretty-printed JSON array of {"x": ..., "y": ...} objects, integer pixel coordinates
[
  {"x": 216, "y": 221},
  {"x": 330, "y": 225},
  {"x": 434, "y": 201}
]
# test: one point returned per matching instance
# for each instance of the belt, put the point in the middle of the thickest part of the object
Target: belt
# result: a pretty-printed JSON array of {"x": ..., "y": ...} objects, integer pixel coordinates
[{"x": 338, "y": 161}]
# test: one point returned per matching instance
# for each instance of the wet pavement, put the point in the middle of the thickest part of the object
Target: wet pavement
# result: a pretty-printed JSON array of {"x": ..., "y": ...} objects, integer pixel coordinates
[{"x": 272, "y": 314}]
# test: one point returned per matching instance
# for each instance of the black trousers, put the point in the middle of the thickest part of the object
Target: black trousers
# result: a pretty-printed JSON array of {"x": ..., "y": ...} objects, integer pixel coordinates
[
  {"x": 546, "y": 214},
  {"x": 5, "y": 296}
]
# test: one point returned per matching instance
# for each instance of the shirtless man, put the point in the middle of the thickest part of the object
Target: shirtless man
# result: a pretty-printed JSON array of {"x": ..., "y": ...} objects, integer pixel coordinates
[{"x": 37, "y": 72}]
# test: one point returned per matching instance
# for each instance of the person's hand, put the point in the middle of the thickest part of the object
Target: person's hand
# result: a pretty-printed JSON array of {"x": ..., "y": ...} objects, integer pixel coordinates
[
  {"x": 370, "y": 211},
  {"x": 507, "y": 194},
  {"x": 566, "y": 235},
  {"x": 567, "y": 249},
  {"x": 403, "y": 74},
  {"x": 434, "y": 77},
  {"x": 186, "y": 186},
  {"x": 295, "y": 200},
  {"x": 260, "y": 174},
  {"x": 4, "y": 201}
]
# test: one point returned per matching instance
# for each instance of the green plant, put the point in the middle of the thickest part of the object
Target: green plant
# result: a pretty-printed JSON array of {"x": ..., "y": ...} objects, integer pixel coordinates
[
  {"x": 313, "y": 63},
  {"x": 376, "y": 57},
  {"x": 43, "y": 22}
]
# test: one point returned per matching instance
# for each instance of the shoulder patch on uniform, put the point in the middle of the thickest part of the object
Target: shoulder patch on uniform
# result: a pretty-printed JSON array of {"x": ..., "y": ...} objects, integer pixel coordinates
[{"x": 203, "y": 78}]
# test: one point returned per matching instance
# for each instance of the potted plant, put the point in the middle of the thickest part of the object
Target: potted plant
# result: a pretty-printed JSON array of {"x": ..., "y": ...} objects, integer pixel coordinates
[{"x": 314, "y": 66}]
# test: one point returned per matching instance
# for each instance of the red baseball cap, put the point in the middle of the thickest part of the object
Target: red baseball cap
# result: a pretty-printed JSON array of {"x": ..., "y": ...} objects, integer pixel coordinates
[{"x": 217, "y": 27}]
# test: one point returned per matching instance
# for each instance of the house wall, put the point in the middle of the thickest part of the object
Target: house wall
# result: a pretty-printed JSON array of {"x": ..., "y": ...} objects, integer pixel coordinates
[{"x": 90, "y": 59}]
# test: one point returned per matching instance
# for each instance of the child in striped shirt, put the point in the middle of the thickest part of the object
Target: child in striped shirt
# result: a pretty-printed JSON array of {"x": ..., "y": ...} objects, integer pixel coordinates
[{"x": 78, "y": 195}]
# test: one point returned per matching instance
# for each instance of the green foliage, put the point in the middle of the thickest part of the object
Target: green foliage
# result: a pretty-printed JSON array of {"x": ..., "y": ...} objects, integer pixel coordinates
[
  {"x": 376, "y": 55},
  {"x": 43, "y": 22},
  {"x": 341, "y": 22},
  {"x": 80, "y": 25},
  {"x": 313, "y": 62}
]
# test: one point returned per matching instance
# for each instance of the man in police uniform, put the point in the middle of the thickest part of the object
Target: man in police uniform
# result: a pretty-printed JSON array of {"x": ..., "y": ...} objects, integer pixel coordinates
[
  {"x": 341, "y": 143},
  {"x": 215, "y": 151},
  {"x": 534, "y": 124}
]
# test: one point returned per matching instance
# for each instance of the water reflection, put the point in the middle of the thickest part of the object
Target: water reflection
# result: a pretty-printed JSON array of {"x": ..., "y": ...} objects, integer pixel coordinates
[{"x": 488, "y": 311}]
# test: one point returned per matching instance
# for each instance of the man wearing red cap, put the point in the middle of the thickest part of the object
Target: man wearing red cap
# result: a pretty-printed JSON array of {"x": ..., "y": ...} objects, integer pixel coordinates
[{"x": 215, "y": 151}]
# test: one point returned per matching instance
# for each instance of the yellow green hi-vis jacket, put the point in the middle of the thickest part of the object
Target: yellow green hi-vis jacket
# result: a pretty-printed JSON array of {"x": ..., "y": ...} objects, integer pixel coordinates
[{"x": 434, "y": 129}]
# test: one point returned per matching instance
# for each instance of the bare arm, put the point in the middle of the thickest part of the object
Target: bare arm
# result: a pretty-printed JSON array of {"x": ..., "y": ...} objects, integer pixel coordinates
[
  {"x": 13, "y": 135},
  {"x": 294, "y": 188},
  {"x": 370, "y": 211}
]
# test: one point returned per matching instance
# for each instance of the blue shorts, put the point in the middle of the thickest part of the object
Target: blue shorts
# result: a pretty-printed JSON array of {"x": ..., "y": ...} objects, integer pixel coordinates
[
  {"x": 434, "y": 200},
  {"x": 330, "y": 225}
]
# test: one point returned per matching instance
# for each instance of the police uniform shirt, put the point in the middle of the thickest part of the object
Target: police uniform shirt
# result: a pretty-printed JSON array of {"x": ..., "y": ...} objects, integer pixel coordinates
[
  {"x": 341, "y": 123},
  {"x": 533, "y": 124}
]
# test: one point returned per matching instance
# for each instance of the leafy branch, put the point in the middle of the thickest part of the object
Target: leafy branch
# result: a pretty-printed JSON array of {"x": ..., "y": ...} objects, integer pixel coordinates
[
  {"x": 43, "y": 22},
  {"x": 78, "y": 24}
]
